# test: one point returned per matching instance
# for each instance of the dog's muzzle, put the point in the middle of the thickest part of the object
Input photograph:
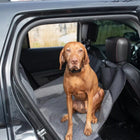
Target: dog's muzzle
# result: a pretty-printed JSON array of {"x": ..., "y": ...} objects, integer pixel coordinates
[{"x": 75, "y": 71}]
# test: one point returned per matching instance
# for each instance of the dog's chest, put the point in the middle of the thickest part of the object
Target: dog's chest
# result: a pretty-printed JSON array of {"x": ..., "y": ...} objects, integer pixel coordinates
[{"x": 77, "y": 88}]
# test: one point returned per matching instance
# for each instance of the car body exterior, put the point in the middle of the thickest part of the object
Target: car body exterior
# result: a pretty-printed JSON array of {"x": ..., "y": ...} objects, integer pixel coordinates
[{"x": 18, "y": 16}]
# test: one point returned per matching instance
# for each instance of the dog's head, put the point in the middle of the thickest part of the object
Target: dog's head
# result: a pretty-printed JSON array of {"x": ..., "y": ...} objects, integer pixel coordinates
[{"x": 75, "y": 55}]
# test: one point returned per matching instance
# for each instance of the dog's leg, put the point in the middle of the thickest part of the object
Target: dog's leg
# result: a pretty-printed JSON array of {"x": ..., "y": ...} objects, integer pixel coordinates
[
  {"x": 79, "y": 106},
  {"x": 70, "y": 124},
  {"x": 97, "y": 100},
  {"x": 65, "y": 117},
  {"x": 88, "y": 129}
]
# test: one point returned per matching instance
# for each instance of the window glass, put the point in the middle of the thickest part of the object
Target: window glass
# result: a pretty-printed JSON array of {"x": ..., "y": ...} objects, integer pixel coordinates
[
  {"x": 52, "y": 35},
  {"x": 108, "y": 28}
]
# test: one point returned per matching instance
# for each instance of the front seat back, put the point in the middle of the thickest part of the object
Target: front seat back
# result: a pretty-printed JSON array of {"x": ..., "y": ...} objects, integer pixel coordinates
[
  {"x": 117, "y": 49},
  {"x": 89, "y": 32},
  {"x": 118, "y": 52}
]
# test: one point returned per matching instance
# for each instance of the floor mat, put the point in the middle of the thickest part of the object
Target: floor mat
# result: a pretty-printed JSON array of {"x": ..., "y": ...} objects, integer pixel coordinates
[{"x": 120, "y": 131}]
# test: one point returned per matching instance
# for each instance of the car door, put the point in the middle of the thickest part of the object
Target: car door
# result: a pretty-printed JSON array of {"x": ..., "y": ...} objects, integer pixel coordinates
[{"x": 41, "y": 48}]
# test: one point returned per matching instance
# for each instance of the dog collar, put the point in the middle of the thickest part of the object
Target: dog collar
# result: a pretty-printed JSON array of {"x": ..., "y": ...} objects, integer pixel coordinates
[{"x": 75, "y": 71}]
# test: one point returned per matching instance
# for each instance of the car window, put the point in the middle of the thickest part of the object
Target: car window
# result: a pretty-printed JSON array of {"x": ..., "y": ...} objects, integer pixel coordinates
[
  {"x": 52, "y": 35},
  {"x": 109, "y": 28}
]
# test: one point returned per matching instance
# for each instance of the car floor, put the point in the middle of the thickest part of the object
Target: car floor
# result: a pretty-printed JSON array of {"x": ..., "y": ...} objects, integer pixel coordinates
[{"x": 114, "y": 130}]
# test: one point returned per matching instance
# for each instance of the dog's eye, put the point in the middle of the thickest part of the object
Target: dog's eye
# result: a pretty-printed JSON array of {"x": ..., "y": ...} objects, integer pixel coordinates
[
  {"x": 68, "y": 49},
  {"x": 80, "y": 50}
]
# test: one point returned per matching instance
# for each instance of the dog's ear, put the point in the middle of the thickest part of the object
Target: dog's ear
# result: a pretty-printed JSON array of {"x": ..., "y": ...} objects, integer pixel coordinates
[
  {"x": 86, "y": 58},
  {"x": 61, "y": 59}
]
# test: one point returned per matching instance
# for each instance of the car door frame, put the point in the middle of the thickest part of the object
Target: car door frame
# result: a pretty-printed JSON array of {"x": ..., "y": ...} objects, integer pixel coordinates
[{"x": 10, "y": 60}]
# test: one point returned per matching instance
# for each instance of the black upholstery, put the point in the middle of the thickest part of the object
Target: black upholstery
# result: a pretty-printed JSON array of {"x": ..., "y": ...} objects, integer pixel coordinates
[
  {"x": 51, "y": 101},
  {"x": 118, "y": 52},
  {"x": 133, "y": 77},
  {"x": 89, "y": 32},
  {"x": 117, "y": 49},
  {"x": 95, "y": 64}
]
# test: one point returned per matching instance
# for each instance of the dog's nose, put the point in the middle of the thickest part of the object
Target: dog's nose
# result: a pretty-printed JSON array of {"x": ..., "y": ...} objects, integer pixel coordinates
[{"x": 74, "y": 60}]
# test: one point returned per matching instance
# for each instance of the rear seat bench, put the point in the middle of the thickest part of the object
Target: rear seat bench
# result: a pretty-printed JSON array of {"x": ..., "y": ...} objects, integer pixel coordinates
[{"x": 51, "y": 100}]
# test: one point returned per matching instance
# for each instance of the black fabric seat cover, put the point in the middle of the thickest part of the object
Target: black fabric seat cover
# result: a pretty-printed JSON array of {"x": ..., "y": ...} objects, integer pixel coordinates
[
  {"x": 52, "y": 103},
  {"x": 51, "y": 100},
  {"x": 118, "y": 50}
]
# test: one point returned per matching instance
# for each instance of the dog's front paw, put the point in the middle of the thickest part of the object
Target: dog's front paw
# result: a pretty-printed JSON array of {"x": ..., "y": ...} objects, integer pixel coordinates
[
  {"x": 94, "y": 119},
  {"x": 88, "y": 130},
  {"x": 64, "y": 118},
  {"x": 68, "y": 136}
]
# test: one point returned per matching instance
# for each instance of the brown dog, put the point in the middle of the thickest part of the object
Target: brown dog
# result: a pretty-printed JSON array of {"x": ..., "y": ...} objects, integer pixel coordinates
[{"x": 81, "y": 82}]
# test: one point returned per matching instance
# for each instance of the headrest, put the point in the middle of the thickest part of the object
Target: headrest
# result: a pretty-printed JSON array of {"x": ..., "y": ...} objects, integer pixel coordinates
[
  {"x": 89, "y": 31},
  {"x": 117, "y": 49}
]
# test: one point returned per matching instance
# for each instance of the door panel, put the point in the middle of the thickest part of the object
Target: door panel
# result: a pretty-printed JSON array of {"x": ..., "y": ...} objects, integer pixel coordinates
[{"x": 41, "y": 63}]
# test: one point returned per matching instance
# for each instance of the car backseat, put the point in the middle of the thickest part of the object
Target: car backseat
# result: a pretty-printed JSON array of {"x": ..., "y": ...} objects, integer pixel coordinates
[{"x": 51, "y": 100}]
